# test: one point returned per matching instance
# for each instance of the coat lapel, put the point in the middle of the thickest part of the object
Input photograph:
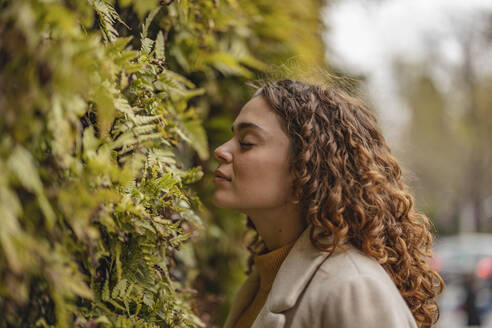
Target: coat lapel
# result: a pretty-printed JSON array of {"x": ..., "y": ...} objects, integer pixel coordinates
[
  {"x": 292, "y": 278},
  {"x": 243, "y": 298}
]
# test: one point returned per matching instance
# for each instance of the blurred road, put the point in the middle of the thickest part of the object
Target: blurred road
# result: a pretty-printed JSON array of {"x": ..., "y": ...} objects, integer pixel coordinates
[{"x": 452, "y": 315}]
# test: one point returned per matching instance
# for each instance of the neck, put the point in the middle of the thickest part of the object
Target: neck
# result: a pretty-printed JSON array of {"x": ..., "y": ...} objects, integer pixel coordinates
[{"x": 278, "y": 226}]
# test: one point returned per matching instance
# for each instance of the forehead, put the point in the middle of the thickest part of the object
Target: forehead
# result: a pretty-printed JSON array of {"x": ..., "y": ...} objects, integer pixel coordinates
[{"x": 257, "y": 111}]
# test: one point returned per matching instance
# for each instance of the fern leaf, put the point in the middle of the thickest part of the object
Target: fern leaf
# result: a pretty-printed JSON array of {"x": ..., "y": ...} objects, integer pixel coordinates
[
  {"x": 108, "y": 16},
  {"x": 148, "y": 20},
  {"x": 159, "y": 46},
  {"x": 146, "y": 46},
  {"x": 21, "y": 164}
]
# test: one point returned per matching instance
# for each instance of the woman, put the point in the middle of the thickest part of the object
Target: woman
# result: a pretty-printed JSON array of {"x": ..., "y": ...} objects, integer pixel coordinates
[{"x": 339, "y": 243}]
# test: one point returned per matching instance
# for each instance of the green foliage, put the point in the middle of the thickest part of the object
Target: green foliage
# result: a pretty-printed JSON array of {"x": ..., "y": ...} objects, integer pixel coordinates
[
  {"x": 102, "y": 142},
  {"x": 93, "y": 201}
]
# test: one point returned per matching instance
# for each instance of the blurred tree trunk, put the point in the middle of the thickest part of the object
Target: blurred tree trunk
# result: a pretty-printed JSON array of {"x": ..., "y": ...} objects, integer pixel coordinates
[{"x": 448, "y": 138}]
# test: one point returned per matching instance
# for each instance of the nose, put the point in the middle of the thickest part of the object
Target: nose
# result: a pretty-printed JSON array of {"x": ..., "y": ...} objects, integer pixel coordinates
[{"x": 223, "y": 154}]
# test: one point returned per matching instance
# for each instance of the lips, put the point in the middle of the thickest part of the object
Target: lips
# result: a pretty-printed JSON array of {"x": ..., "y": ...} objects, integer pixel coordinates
[{"x": 221, "y": 174}]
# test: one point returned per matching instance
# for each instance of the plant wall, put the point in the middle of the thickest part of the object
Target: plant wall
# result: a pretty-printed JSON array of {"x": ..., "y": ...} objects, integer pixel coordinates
[{"x": 108, "y": 112}]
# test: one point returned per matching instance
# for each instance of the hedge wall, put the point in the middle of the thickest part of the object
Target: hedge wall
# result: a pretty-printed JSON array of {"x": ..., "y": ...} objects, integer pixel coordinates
[{"x": 103, "y": 142}]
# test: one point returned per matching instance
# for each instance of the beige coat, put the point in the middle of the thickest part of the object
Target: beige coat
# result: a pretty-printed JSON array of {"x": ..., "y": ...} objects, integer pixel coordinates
[{"x": 313, "y": 290}]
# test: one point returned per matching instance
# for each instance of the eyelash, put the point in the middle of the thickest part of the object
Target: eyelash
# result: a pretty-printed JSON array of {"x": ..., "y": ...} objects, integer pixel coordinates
[{"x": 245, "y": 144}]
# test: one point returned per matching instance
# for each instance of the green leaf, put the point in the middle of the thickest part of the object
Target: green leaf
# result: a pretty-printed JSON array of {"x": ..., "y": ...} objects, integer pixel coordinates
[
  {"x": 227, "y": 64},
  {"x": 148, "y": 299},
  {"x": 105, "y": 108},
  {"x": 159, "y": 46},
  {"x": 22, "y": 165},
  {"x": 146, "y": 46},
  {"x": 148, "y": 20},
  {"x": 10, "y": 233},
  {"x": 79, "y": 288},
  {"x": 108, "y": 16},
  {"x": 192, "y": 132},
  {"x": 192, "y": 175},
  {"x": 119, "y": 290},
  {"x": 105, "y": 290},
  {"x": 90, "y": 142}
]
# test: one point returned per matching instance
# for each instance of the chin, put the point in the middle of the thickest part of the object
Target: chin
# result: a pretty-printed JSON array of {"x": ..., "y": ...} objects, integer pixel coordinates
[
  {"x": 223, "y": 202},
  {"x": 219, "y": 201}
]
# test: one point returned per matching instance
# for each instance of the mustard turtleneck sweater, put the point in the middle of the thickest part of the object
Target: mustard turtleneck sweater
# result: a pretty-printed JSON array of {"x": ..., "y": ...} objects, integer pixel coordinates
[{"x": 267, "y": 265}]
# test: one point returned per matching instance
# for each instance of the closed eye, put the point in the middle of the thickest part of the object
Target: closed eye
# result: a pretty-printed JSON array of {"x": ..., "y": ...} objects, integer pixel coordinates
[{"x": 245, "y": 144}]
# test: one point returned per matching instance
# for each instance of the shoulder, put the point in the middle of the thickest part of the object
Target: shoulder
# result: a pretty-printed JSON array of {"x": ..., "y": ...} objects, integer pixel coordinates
[
  {"x": 351, "y": 289},
  {"x": 352, "y": 263}
]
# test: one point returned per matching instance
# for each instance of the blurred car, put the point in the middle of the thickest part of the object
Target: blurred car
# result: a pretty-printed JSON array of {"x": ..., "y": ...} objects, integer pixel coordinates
[
  {"x": 459, "y": 259},
  {"x": 457, "y": 255}
]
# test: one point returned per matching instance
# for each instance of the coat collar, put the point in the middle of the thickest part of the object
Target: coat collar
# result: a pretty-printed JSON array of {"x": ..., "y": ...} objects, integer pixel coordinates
[
  {"x": 292, "y": 278},
  {"x": 243, "y": 298},
  {"x": 295, "y": 273}
]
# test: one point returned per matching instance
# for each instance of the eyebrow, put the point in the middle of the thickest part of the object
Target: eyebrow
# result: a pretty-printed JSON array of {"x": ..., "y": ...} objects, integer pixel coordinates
[{"x": 247, "y": 125}]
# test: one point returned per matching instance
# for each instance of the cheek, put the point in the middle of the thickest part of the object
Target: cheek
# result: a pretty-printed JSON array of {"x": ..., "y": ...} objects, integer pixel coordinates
[{"x": 265, "y": 177}]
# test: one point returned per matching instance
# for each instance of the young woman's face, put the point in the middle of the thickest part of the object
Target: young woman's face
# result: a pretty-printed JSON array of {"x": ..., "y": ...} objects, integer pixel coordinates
[{"x": 254, "y": 163}]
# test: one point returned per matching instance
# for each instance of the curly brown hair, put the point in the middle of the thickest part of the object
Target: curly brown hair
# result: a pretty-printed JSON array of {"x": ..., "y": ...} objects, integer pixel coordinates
[{"x": 350, "y": 187}]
